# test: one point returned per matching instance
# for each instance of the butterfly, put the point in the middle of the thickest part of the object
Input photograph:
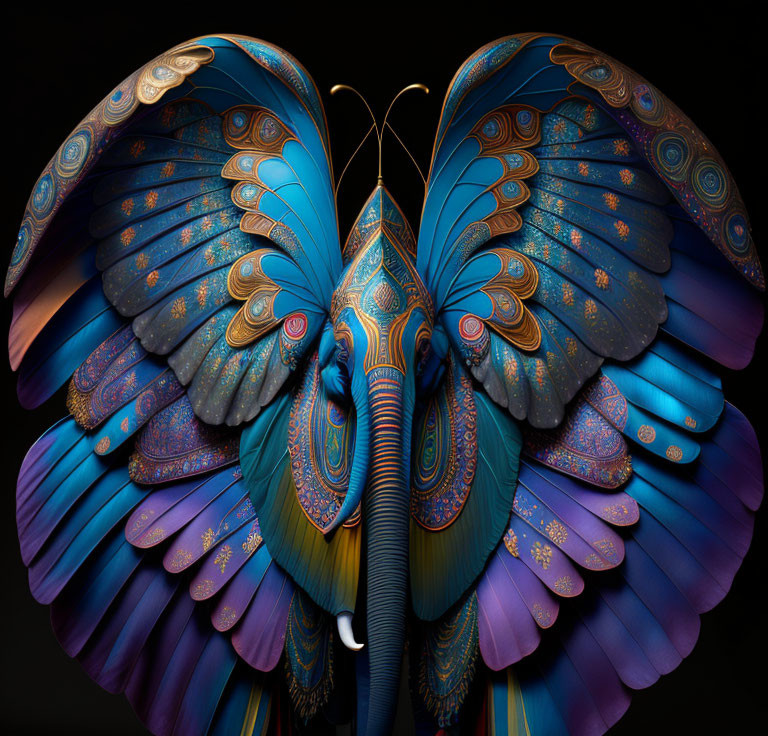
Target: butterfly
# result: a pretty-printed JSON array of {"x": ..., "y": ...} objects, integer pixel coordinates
[{"x": 287, "y": 459}]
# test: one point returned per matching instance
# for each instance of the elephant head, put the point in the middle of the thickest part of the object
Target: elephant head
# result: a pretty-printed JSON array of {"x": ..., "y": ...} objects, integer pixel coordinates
[{"x": 381, "y": 325}]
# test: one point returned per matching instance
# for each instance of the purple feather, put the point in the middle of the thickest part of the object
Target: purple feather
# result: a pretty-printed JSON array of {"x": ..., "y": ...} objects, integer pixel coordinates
[
  {"x": 586, "y": 539},
  {"x": 78, "y": 611},
  {"x": 166, "y": 701},
  {"x": 545, "y": 560},
  {"x": 260, "y": 636},
  {"x": 203, "y": 531},
  {"x": 39, "y": 458},
  {"x": 110, "y": 655},
  {"x": 223, "y": 562},
  {"x": 147, "y": 675},
  {"x": 237, "y": 596},
  {"x": 506, "y": 629},
  {"x": 624, "y": 652},
  {"x": 168, "y": 509},
  {"x": 664, "y": 601},
  {"x": 597, "y": 674},
  {"x": 615, "y": 507},
  {"x": 736, "y": 438}
]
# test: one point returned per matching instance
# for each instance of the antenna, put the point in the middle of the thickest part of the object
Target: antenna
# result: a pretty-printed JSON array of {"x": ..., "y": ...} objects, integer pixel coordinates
[{"x": 379, "y": 129}]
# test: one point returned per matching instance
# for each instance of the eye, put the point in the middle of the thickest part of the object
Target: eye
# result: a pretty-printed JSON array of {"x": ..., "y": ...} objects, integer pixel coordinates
[
  {"x": 422, "y": 354},
  {"x": 342, "y": 352},
  {"x": 431, "y": 352},
  {"x": 335, "y": 375}
]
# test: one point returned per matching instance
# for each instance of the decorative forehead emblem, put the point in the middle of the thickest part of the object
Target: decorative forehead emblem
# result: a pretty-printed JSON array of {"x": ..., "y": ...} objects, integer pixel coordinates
[
  {"x": 381, "y": 291},
  {"x": 381, "y": 282}
]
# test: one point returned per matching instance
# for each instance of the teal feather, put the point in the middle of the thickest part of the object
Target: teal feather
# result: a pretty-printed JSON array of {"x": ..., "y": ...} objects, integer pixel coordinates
[
  {"x": 75, "y": 331},
  {"x": 245, "y": 705}
]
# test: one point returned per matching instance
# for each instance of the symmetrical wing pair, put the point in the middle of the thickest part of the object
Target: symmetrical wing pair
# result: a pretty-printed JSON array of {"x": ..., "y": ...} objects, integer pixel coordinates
[{"x": 452, "y": 443}]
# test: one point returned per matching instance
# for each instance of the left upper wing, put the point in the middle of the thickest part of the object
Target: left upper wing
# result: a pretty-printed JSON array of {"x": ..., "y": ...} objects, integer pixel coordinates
[{"x": 211, "y": 155}]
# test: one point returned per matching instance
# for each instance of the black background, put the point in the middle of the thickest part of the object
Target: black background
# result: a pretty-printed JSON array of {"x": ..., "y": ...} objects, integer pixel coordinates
[{"x": 57, "y": 66}]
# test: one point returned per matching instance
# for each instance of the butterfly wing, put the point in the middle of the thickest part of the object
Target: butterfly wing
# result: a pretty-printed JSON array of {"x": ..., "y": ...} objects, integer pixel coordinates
[
  {"x": 174, "y": 265},
  {"x": 591, "y": 263}
]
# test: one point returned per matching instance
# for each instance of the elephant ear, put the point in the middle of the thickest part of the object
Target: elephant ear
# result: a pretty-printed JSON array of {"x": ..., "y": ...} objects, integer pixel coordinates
[
  {"x": 591, "y": 263},
  {"x": 175, "y": 263},
  {"x": 461, "y": 442}
]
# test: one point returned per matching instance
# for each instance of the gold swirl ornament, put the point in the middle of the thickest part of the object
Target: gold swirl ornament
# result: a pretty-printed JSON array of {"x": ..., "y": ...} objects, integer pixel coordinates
[
  {"x": 247, "y": 282},
  {"x": 516, "y": 281},
  {"x": 169, "y": 71}
]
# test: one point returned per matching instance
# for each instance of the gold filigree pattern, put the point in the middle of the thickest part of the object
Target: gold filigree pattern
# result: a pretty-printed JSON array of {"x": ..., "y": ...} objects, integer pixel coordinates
[
  {"x": 674, "y": 453},
  {"x": 646, "y": 433},
  {"x": 252, "y": 542},
  {"x": 226, "y": 618},
  {"x": 504, "y": 134},
  {"x": 557, "y": 532},
  {"x": 180, "y": 560},
  {"x": 678, "y": 151},
  {"x": 207, "y": 539},
  {"x": 203, "y": 590},
  {"x": 223, "y": 556},
  {"x": 169, "y": 71},
  {"x": 564, "y": 585},
  {"x": 382, "y": 265},
  {"x": 259, "y": 135},
  {"x": 247, "y": 282},
  {"x": 510, "y": 542},
  {"x": 254, "y": 131},
  {"x": 542, "y": 554},
  {"x": 516, "y": 281}
]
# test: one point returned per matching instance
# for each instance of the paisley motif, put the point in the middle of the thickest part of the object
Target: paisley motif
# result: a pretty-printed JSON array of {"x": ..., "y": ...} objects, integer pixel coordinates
[
  {"x": 516, "y": 281},
  {"x": 321, "y": 439},
  {"x": 447, "y": 659},
  {"x": 247, "y": 281},
  {"x": 678, "y": 151},
  {"x": 77, "y": 154},
  {"x": 253, "y": 129},
  {"x": 585, "y": 445},
  {"x": 444, "y": 452}
]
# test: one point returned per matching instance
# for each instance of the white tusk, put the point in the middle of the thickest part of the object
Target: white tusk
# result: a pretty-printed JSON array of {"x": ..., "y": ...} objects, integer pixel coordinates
[{"x": 344, "y": 624}]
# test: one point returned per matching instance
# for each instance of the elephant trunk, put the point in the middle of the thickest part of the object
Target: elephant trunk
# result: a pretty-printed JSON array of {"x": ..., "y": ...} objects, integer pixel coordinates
[{"x": 386, "y": 519}]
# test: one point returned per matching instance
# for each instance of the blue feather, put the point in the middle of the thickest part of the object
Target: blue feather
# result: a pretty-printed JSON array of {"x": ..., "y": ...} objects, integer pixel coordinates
[{"x": 85, "y": 321}]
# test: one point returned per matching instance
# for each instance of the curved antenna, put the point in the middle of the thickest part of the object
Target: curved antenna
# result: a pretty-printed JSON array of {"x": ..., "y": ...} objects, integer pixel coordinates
[
  {"x": 351, "y": 158},
  {"x": 339, "y": 88},
  {"x": 422, "y": 87},
  {"x": 379, "y": 130},
  {"x": 410, "y": 156},
  {"x": 385, "y": 124}
]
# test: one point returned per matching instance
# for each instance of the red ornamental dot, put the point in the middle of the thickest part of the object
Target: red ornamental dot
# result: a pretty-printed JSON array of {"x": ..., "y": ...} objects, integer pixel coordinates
[
  {"x": 470, "y": 327},
  {"x": 296, "y": 326}
]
